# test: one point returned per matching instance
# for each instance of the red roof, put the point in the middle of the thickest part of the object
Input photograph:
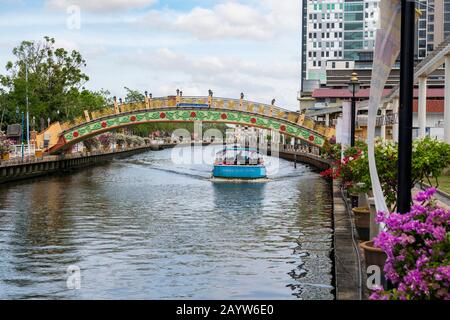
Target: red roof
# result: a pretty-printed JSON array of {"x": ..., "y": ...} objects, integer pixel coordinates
[
  {"x": 433, "y": 106},
  {"x": 365, "y": 93}
]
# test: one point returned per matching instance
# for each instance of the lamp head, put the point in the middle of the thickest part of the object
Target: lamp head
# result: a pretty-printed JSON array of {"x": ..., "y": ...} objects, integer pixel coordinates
[
  {"x": 354, "y": 77},
  {"x": 354, "y": 85}
]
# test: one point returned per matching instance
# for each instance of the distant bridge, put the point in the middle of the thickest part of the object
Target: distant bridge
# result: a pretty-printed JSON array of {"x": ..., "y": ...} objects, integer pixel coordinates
[{"x": 190, "y": 109}]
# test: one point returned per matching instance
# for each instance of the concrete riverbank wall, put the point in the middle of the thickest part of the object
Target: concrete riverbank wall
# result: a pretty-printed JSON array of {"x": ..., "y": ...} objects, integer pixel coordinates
[
  {"x": 17, "y": 170},
  {"x": 60, "y": 164}
]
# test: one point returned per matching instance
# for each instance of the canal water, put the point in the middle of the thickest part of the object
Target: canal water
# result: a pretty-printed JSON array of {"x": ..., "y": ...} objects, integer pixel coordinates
[{"x": 149, "y": 227}]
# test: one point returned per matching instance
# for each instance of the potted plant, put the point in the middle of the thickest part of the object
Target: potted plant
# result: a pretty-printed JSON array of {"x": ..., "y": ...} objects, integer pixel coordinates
[
  {"x": 91, "y": 144},
  {"x": 362, "y": 222},
  {"x": 374, "y": 256},
  {"x": 120, "y": 139},
  {"x": 139, "y": 141},
  {"x": 417, "y": 246},
  {"x": 105, "y": 140},
  {"x": 129, "y": 140},
  {"x": 6, "y": 146}
]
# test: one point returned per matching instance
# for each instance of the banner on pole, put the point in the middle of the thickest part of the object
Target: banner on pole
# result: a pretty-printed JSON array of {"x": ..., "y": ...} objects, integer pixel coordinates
[{"x": 387, "y": 49}]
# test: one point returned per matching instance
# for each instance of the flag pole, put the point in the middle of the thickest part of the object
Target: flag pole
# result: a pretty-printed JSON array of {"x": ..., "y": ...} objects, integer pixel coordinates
[{"x": 406, "y": 106}]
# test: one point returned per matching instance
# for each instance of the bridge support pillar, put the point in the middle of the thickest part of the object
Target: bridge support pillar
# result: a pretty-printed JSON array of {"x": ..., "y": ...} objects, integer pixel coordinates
[{"x": 327, "y": 119}]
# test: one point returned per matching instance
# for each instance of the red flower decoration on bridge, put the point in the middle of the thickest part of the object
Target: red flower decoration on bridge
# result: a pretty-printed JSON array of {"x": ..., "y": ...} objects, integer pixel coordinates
[
  {"x": 311, "y": 138},
  {"x": 283, "y": 127},
  {"x": 76, "y": 134},
  {"x": 104, "y": 124},
  {"x": 193, "y": 114},
  {"x": 253, "y": 120},
  {"x": 224, "y": 116},
  {"x": 133, "y": 118},
  {"x": 162, "y": 115}
]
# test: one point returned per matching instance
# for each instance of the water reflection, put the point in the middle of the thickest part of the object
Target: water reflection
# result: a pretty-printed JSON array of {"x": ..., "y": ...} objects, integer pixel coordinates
[{"x": 246, "y": 198}]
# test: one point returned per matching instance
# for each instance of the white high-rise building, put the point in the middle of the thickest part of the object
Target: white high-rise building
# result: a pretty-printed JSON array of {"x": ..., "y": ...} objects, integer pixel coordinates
[{"x": 336, "y": 30}]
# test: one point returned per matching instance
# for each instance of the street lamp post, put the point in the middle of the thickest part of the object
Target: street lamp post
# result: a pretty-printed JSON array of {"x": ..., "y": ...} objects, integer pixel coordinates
[
  {"x": 353, "y": 87},
  {"x": 405, "y": 112},
  {"x": 21, "y": 135},
  {"x": 21, "y": 129}
]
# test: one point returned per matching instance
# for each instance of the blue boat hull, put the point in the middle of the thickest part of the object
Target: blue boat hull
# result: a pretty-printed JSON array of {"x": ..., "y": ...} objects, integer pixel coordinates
[{"x": 239, "y": 172}]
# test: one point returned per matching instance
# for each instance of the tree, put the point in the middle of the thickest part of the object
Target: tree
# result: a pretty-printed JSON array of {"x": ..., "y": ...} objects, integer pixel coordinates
[
  {"x": 55, "y": 82},
  {"x": 133, "y": 96},
  {"x": 78, "y": 101}
]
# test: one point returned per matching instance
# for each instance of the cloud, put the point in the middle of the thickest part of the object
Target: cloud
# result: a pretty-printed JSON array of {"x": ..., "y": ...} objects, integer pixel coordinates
[
  {"x": 227, "y": 46},
  {"x": 99, "y": 6},
  {"x": 225, "y": 20},
  {"x": 66, "y": 44},
  {"x": 225, "y": 75},
  {"x": 166, "y": 59}
]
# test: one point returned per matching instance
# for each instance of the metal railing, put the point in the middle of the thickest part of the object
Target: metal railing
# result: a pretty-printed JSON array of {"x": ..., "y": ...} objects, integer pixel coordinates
[
  {"x": 27, "y": 150},
  {"x": 299, "y": 149}
]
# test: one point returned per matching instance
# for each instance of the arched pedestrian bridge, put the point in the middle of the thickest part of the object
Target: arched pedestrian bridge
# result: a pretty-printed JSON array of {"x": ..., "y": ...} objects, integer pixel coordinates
[{"x": 190, "y": 109}]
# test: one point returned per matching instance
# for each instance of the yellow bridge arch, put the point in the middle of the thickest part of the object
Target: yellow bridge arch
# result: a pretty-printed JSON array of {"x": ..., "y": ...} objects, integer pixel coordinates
[{"x": 190, "y": 109}]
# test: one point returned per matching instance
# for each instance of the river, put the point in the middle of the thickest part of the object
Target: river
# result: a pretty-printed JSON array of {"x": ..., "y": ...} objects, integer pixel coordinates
[{"x": 146, "y": 227}]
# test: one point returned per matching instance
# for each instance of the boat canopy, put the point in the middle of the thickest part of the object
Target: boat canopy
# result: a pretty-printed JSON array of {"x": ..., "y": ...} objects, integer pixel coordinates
[{"x": 239, "y": 156}]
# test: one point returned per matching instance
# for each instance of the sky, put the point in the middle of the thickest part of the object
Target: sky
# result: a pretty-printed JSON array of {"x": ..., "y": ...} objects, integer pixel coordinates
[{"x": 228, "y": 46}]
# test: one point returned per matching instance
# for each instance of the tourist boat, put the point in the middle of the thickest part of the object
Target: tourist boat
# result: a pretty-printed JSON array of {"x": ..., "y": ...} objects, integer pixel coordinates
[{"x": 239, "y": 163}]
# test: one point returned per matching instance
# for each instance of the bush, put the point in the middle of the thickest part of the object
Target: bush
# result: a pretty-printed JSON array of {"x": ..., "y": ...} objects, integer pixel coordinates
[
  {"x": 91, "y": 143},
  {"x": 331, "y": 151},
  {"x": 120, "y": 138},
  {"x": 106, "y": 139},
  {"x": 430, "y": 157},
  {"x": 6, "y": 145},
  {"x": 417, "y": 245}
]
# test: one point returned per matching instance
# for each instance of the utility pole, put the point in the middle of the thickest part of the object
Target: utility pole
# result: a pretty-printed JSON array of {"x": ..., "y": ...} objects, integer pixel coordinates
[
  {"x": 28, "y": 114},
  {"x": 406, "y": 104}
]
